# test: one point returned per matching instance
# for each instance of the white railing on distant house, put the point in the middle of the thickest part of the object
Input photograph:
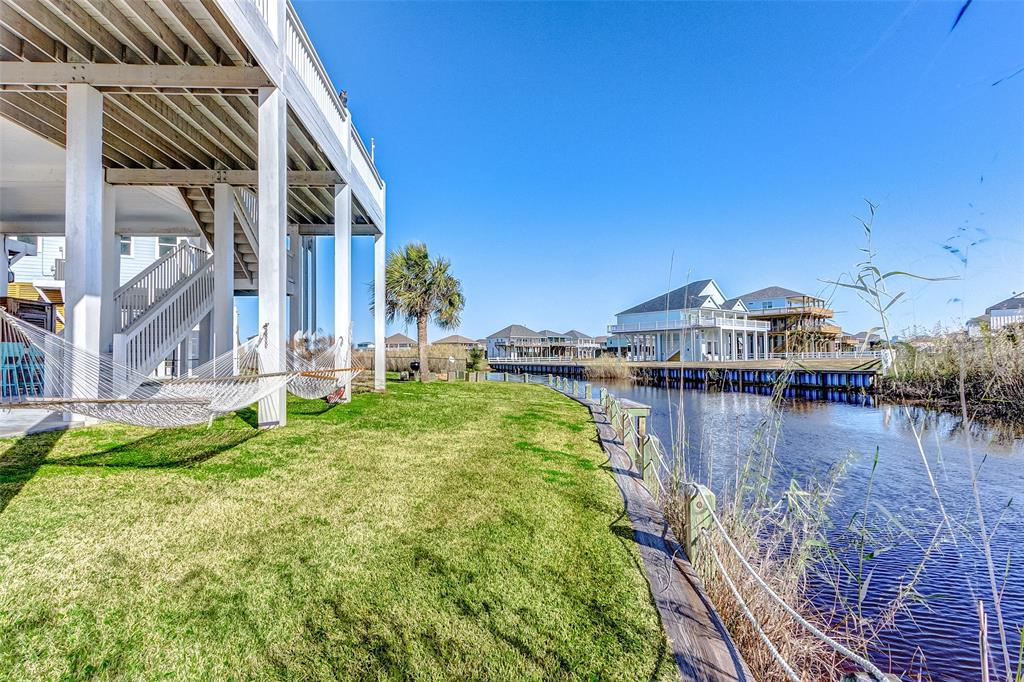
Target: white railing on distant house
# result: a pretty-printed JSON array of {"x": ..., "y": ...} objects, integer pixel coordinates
[
  {"x": 306, "y": 63},
  {"x": 832, "y": 355},
  {"x": 152, "y": 336},
  {"x": 139, "y": 294},
  {"x": 692, "y": 322},
  {"x": 539, "y": 358}
]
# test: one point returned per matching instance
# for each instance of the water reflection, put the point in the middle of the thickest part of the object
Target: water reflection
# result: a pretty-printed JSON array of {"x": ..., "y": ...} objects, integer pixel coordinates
[{"x": 717, "y": 429}]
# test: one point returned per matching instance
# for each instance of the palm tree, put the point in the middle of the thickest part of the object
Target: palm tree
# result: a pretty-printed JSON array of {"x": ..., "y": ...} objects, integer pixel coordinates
[{"x": 418, "y": 290}]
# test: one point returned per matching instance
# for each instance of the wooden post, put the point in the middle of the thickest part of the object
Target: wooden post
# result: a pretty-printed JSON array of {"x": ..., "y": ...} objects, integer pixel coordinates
[
  {"x": 588, "y": 392},
  {"x": 527, "y": 378},
  {"x": 575, "y": 387},
  {"x": 551, "y": 380},
  {"x": 505, "y": 376},
  {"x": 696, "y": 517}
]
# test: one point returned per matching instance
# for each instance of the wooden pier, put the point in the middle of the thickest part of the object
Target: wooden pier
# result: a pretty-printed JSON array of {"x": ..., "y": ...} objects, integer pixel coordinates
[{"x": 833, "y": 374}]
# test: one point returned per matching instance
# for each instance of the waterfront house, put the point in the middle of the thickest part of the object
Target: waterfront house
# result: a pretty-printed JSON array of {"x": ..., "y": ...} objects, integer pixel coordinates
[
  {"x": 798, "y": 323},
  {"x": 399, "y": 342},
  {"x": 212, "y": 121},
  {"x": 516, "y": 342},
  {"x": 459, "y": 341},
  {"x": 1010, "y": 311},
  {"x": 867, "y": 340},
  {"x": 695, "y": 322}
]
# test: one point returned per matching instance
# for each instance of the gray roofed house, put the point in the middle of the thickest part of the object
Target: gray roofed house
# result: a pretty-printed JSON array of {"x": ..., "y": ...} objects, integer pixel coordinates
[
  {"x": 514, "y": 331},
  {"x": 772, "y": 292},
  {"x": 516, "y": 342},
  {"x": 685, "y": 297},
  {"x": 398, "y": 341},
  {"x": 1009, "y": 311},
  {"x": 456, "y": 340},
  {"x": 692, "y": 322},
  {"x": 1015, "y": 302}
]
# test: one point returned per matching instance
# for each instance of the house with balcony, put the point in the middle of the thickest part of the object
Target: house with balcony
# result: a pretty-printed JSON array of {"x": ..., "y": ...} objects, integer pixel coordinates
[
  {"x": 798, "y": 323},
  {"x": 517, "y": 342},
  {"x": 207, "y": 131},
  {"x": 695, "y": 322}
]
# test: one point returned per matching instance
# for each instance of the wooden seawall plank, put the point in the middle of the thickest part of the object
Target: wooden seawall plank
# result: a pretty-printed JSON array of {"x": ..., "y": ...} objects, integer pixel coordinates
[{"x": 700, "y": 645}]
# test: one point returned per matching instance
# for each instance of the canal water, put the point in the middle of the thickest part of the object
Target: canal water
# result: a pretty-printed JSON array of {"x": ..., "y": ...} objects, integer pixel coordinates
[{"x": 939, "y": 633}]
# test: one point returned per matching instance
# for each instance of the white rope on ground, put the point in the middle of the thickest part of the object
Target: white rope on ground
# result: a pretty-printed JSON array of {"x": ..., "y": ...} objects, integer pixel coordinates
[
  {"x": 790, "y": 673},
  {"x": 868, "y": 666}
]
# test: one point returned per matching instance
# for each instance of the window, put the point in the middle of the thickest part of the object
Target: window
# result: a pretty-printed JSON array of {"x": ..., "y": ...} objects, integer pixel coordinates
[
  {"x": 126, "y": 245},
  {"x": 165, "y": 245}
]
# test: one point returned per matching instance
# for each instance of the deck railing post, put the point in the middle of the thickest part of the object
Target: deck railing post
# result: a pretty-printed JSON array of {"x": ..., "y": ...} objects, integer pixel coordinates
[{"x": 696, "y": 517}]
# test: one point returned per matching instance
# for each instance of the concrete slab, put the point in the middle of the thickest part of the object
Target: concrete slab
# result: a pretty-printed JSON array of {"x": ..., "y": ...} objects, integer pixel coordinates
[{"x": 16, "y": 423}]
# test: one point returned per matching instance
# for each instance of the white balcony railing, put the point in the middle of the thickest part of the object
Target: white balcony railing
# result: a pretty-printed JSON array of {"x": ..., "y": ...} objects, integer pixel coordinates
[
  {"x": 306, "y": 63},
  {"x": 691, "y": 323}
]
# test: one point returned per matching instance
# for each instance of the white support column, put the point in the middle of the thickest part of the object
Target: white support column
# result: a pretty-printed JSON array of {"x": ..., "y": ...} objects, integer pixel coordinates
[
  {"x": 83, "y": 228},
  {"x": 111, "y": 254},
  {"x": 313, "y": 298},
  {"x": 204, "y": 349},
  {"x": 223, "y": 268},
  {"x": 343, "y": 277},
  {"x": 5, "y": 265},
  {"x": 272, "y": 165},
  {"x": 297, "y": 274},
  {"x": 380, "y": 255}
]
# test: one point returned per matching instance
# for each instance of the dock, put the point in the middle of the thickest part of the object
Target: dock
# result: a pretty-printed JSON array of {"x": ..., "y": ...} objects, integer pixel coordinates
[{"x": 831, "y": 374}]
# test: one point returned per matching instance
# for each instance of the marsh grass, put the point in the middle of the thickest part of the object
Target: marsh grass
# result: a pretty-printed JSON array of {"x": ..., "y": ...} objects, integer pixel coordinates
[
  {"x": 797, "y": 537},
  {"x": 991, "y": 366},
  {"x": 439, "y": 531},
  {"x": 608, "y": 367}
]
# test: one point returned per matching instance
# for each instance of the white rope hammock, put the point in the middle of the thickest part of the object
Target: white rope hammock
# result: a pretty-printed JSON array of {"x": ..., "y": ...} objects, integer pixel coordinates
[
  {"x": 41, "y": 370},
  {"x": 320, "y": 366}
]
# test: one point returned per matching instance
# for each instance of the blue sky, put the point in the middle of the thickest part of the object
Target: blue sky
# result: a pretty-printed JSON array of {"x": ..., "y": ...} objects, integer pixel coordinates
[{"x": 574, "y": 159}]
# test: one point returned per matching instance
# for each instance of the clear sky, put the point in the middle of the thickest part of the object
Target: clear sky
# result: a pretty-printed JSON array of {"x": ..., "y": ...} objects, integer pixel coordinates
[{"x": 574, "y": 159}]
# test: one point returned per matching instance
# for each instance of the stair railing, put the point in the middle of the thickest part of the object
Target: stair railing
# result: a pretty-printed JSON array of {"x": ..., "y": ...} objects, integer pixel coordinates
[
  {"x": 153, "y": 335},
  {"x": 140, "y": 293}
]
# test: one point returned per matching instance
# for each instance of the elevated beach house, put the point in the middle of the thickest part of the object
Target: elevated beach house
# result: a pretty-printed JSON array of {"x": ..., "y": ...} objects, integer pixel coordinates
[
  {"x": 798, "y": 323},
  {"x": 695, "y": 322},
  {"x": 516, "y": 342},
  {"x": 211, "y": 126},
  {"x": 1010, "y": 311}
]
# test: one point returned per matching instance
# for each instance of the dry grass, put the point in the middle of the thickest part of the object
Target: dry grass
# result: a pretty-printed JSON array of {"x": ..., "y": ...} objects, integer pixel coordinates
[
  {"x": 992, "y": 365},
  {"x": 608, "y": 367},
  {"x": 782, "y": 538}
]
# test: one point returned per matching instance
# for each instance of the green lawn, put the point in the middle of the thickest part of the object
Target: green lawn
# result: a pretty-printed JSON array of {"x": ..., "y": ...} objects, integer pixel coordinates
[{"x": 447, "y": 531}]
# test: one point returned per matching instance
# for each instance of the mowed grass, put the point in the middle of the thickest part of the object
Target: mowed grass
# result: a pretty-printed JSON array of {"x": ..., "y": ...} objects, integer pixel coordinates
[{"x": 446, "y": 531}]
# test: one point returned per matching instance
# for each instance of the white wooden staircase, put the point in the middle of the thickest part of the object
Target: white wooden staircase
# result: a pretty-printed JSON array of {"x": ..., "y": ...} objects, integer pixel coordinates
[{"x": 158, "y": 308}]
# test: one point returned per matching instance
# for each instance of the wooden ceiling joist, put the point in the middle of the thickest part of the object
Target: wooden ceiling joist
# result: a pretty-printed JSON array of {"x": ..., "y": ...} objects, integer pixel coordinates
[{"x": 133, "y": 75}]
